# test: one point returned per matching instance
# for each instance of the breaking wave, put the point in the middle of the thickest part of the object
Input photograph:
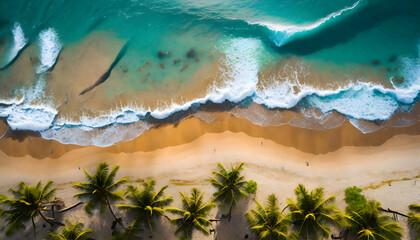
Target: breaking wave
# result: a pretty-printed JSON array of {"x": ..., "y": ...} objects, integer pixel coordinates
[{"x": 50, "y": 47}]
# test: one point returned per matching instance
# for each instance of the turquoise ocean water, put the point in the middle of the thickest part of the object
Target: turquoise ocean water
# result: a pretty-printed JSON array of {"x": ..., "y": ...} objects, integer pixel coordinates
[{"x": 102, "y": 72}]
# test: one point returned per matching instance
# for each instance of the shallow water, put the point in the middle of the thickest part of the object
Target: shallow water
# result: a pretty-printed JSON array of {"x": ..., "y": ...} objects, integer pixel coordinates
[{"x": 80, "y": 72}]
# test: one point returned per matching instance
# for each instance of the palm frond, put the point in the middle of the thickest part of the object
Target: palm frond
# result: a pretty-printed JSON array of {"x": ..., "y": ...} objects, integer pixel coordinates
[
  {"x": 146, "y": 205},
  {"x": 193, "y": 215},
  {"x": 267, "y": 221},
  {"x": 100, "y": 189},
  {"x": 229, "y": 184},
  {"x": 312, "y": 213},
  {"x": 27, "y": 204}
]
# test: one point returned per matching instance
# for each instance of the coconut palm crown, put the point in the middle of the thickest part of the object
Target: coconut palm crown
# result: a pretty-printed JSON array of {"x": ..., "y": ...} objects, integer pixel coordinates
[
  {"x": 368, "y": 224},
  {"x": 268, "y": 222},
  {"x": 71, "y": 232},
  {"x": 100, "y": 189},
  {"x": 28, "y": 204},
  {"x": 414, "y": 219},
  {"x": 230, "y": 186},
  {"x": 193, "y": 215},
  {"x": 312, "y": 214},
  {"x": 146, "y": 203}
]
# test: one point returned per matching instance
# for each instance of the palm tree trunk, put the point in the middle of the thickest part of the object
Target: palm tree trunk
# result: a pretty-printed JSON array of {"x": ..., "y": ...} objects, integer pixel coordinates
[
  {"x": 33, "y": 225},
  {"x": 394, "y": 212},
  {"x": 112, "y": 212},
  {"x": 48, "y": 221},
  {"x": 69, "y": 208}
]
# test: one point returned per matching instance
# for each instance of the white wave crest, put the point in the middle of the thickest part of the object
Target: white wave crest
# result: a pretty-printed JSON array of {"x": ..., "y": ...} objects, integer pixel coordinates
[
  {"x": 50, "y": 47},
  {"x": 33, "y": 117},
  {"x": 33, "y": 111},
  {"x": 285, "y": 31},
  {"x": 19, "y": 41}
]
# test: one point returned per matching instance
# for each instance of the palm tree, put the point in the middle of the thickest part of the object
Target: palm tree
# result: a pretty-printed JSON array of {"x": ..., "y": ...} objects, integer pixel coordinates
[
  {"x": 414, "y": 219},
  {"x": 193, "y": 214},
  {"x": 100, "y": 188},
  {"x": 368, "y": 224},
  {"x": 71, "y": 232},
  {"x": 230, "y": 186},
  {"x": 29, "y": 202},
  {"x": 311, "y": 213},
  {"x": 130, "y": 233},
  {"x": 268, "y": 222},
  {"x": 146, "y": 204}
]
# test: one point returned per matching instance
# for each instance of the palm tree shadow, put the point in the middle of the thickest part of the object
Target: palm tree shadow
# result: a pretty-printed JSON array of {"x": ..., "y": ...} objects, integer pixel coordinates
[
  {"x": 162, "y": 228},
  {"x": 412, "y": 234},
  {"x": 101, "y": 224},
  {"x": 367, "y": 17},
  {"x": 28, "y": 233},
  {"x": 237, "y": 227}
]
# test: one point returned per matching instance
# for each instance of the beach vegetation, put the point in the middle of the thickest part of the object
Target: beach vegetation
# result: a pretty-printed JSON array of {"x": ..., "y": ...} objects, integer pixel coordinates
[
  {"x": 268, "y": 222},
  {"x": 193, "y": 216},
  {"x": 363, "y": 219},
  {"x": 100, "y": 189},
  {"x": 414, "y": 219},
  {"x": 184, "y": 182},
  {"x": 312, "y": 214},
  {"x": 28, "y": 203},
  {"x": 230, "y": 186},
  {"x": 146, "y": 204},
  {"x": 354, "y": 199},
  {"x": 251, "y": 187},
  {"x": 388, "y": 182},
  {"x": 71, "y": 231}
]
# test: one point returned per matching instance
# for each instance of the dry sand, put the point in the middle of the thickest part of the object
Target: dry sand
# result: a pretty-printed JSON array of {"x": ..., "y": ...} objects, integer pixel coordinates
[{"x": 184, "y": 156}]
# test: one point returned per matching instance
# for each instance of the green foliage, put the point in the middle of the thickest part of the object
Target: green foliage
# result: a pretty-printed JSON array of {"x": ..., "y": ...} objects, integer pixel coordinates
[
  {"x": 130, "y": 233},
  {"x": 100, "y": 188},
  {"x": 27, "y": 204},
  {"x": 146, "y": 203},
  {"x": 251, "y": 187},
  {"x": 414, "y": 207},
  {"x": 193, "y": 215},
  {"x": 71, "y": 232},
  {"x": 414, "y": 219},
  {"x": 354, "y": 199},
  {"x": 312, "y": 214},
  {"x": 229, "y": 184},
  {"x": 268, "y": 222},
  {"x": 368, "y": 224}
]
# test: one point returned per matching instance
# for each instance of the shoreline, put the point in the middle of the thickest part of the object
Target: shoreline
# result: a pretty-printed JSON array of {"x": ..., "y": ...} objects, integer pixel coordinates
[{"x": 21, "y": 143}]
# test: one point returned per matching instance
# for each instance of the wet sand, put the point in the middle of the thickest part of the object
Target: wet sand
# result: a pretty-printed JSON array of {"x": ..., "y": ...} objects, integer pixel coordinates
[{"x": 18, "y": 144}]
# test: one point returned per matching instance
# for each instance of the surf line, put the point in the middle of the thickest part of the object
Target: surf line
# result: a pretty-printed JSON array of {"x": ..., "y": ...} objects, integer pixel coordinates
[{"x": 106, "y": 75}]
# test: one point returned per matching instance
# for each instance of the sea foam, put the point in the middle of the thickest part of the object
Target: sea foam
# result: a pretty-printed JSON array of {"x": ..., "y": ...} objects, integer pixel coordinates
[
  {"x": 33, "y": 111},
  {"x": 19, "y": 41},
  {"x": 50, "y": 47},
  {"x": 239, "y": 81}
]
